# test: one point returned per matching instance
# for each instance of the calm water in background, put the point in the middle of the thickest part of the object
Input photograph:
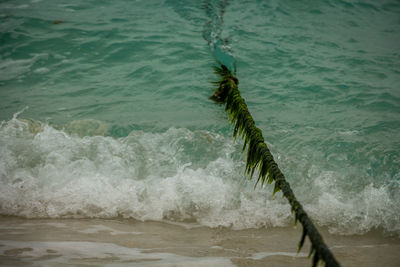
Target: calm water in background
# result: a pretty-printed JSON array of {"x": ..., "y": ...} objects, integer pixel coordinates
[{"x": 107, "y": 113}]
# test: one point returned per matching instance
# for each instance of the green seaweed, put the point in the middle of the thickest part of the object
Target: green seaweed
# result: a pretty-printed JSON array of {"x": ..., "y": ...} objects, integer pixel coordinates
[{"x": 259, "y": 158}]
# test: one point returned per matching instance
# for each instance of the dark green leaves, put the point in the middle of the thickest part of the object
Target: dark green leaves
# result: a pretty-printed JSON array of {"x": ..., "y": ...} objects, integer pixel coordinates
[
  {"x": 303, "y": 238},
  {"x": 260, "y": 159},
  {"x": 258, "y": 154}
]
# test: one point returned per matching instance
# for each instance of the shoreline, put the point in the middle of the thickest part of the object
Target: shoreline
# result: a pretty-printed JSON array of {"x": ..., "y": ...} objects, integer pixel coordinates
[{"x": 128, "y": 242}]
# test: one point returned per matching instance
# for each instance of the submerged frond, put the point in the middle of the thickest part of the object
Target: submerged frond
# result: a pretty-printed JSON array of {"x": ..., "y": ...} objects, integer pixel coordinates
[
  {"x": 312, "y": 250},
  {"x": 315, "y": 259},
  {"x": 303, "y": 238}
]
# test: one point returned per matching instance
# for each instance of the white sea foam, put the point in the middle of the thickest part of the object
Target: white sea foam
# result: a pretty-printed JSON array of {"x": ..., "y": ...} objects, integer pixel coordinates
[
  {"x": 46, "y": 172},
  {"x": 41, "y": 70},
  {"x": 17, "y": 68},
  {"x": 10, "y": 69},
  {"x": 178, "y": 175},
  {"x": 261, "y": 255},
  {"x": 105, "y": 254},
  {"x": 372, "y": 207}
]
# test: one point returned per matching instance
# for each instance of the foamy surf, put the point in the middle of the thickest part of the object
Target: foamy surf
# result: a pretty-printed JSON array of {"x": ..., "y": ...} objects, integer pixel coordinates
[{"x": 177, "y": 175}]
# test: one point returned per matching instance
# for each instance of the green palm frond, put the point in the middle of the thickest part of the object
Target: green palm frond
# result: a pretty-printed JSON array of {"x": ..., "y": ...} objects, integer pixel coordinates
[{"x": 259, "y": 158}]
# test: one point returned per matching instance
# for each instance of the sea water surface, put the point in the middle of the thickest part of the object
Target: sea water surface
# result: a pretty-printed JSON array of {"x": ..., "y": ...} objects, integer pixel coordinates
[{"x": 105, "y": 111}]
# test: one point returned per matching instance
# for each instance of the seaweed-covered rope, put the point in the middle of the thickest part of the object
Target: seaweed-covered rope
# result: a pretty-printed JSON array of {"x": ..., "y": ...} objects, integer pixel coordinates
[{"x": 259, "y": 157}]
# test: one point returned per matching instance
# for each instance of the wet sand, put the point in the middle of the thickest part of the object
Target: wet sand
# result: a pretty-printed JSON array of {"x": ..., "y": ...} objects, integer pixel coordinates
[{"x": 97, "y": 242}]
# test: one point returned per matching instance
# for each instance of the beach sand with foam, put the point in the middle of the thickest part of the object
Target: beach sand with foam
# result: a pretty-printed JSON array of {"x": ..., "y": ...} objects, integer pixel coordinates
[{"x": 99, "y": 242}]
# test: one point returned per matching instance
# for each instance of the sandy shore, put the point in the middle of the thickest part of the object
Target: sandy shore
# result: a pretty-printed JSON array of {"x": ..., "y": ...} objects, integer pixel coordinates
[{"x": 95, "y": 242}]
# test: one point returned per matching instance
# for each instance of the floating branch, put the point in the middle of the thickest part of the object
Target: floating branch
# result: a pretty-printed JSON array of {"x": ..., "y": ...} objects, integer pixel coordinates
[{"x": 260, "y": 159}]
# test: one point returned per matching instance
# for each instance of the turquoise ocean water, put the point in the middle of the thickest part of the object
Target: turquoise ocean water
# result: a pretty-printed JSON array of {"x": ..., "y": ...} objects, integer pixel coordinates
[{"x": 105, "y": 111}]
